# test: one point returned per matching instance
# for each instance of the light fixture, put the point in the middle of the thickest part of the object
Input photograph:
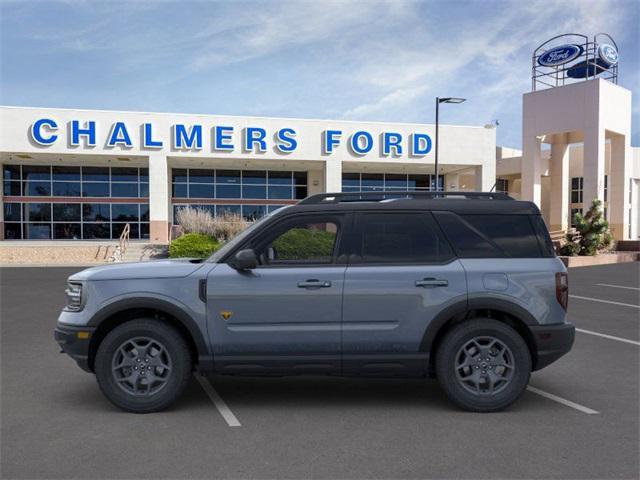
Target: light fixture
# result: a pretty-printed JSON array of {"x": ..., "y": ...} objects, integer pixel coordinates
[
  {"x": 451, "y": 100},
  {"x": 440, "y": 100}
]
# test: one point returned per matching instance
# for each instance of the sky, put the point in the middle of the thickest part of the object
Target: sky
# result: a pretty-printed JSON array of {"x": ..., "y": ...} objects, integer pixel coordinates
[{"x": 345, "y": 60}]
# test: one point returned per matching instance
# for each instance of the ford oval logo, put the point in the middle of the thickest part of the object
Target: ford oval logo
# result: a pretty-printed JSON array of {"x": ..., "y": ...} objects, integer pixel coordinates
[
  {"x": 608, "y": 54},
  {"x": 560, "y": 55}
]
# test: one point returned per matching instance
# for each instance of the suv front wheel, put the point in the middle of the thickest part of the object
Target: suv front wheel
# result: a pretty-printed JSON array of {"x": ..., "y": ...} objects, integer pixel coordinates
[
  {"x": 483, "y": 365},
  {"x": 143, "y": 365}
]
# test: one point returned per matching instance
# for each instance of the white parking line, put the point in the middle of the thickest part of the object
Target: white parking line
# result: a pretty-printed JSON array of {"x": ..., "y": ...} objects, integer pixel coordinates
[
  {"x": 217, "y": 400},
  {"x": 610, "y": 337},
  {"x": 604, "y": 301},
  {"x": 563, "y": 401},
  {"x": 616, "y": 286}
]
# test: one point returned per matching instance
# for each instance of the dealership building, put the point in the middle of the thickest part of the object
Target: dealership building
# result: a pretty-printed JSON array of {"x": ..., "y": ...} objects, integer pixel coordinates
[
  {"x": 86, "y": 174},
  {"x": 82, "y": 174}
]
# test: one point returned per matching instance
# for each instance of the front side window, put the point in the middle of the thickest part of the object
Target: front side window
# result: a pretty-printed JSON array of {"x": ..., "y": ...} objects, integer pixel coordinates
[
  {"x": 402, "y": 238},
  {"x": 304, "y": 241}
]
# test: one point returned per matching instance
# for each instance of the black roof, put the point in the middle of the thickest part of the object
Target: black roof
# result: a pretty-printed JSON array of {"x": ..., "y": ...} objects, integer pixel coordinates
[{"x": 458, "y": 202}]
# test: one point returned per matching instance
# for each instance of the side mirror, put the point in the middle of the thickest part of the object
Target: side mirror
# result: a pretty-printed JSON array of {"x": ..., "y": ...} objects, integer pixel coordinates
[{"x": 245, "y": 260}]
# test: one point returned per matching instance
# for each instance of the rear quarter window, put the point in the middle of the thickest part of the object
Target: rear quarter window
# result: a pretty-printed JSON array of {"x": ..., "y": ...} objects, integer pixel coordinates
[{"x": 491, "y": 236}]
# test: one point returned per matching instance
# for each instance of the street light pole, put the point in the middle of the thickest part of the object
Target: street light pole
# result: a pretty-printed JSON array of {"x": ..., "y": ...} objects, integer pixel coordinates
[
  {"x": 438, "y": 102},
  {"x": 437, "y": 142}
]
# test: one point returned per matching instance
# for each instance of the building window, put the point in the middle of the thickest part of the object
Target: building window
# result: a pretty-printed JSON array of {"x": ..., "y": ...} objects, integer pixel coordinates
[
  {"x": 502, "y": 185},
  {"x": 371, "y": 182},
  {"x": 232, "y": 191},
  {"x": 98, "y": 202},
  {"x": 576, "y": 189}
]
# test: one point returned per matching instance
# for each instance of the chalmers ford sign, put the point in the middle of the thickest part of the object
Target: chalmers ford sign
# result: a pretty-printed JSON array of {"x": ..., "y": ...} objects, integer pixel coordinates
[{"x": 220, "y": 138}]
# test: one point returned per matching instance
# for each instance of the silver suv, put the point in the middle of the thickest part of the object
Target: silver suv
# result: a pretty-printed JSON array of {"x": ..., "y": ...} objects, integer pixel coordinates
[{"x": 461, "y": 286}]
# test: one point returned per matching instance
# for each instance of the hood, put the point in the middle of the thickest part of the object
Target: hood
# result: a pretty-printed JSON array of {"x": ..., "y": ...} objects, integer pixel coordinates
[{"x": 140, "y": 270}]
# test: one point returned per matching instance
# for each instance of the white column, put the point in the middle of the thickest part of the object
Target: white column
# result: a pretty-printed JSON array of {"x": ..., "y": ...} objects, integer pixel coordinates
[
  {"x": 531, "y": 169},
  {"x": 593, "y": 166},
  {"x": 332, "y": 175},
  {"x": 159, "y": 198},
  {"x": 485, "y": 175},
  {"x": 452, "y": 182},
  {"x": 559, "y": 168},
  {"x": 314, "y": 182},
  {"x": 619, "y": 188}
]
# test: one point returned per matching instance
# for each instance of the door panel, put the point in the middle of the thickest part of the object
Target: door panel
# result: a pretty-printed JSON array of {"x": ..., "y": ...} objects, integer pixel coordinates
[
  {"x": 277, "y": 318},
  {"x": 386, "y": 312},
  {"x": 403, "y": 274},
  {"x": 285, "y": 315}
]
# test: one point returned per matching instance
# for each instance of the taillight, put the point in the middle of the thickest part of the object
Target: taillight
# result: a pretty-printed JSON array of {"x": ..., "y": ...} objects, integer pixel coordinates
[{"x": 562, "y": 289}]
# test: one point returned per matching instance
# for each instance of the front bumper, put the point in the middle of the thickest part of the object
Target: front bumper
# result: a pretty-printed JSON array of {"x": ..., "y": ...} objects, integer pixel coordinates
[
  {"x": 552, "y": 342},
  {"x": 74, "y": 341}
]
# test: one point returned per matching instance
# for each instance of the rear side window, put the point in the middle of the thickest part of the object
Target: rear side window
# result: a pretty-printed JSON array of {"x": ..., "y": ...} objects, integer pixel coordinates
[
  {"x": 488, "y": 236},
  {"x": 468, "y": 242},
  {"x": 512, "y": 233},
  {"x": 402, "y": 237},
  {"x": 546, "y": 245}
]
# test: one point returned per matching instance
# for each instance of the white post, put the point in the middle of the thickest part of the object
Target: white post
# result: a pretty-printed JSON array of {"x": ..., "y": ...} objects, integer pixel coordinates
[
  {"x": 159, "y": 198},
  {"x": 485, "y": 176},
  {"x": 618, "y": 190},
  {"x": 531, "y": 169},
  {"x": 559, "y": 204},
  {"x": 332, "y": 175},
  {"x": 593, "y": 166}
]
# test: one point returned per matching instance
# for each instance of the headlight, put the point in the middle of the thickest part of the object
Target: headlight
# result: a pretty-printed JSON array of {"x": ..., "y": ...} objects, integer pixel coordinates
[{"x": 74, "y": 297}]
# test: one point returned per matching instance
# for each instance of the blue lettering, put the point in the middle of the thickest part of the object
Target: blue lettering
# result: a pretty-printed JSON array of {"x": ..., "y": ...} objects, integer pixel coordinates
[
  {"x": 147, "y": 138},
  {"x": 286, "y": 141},
  {"x": 222, "y": 137},
  {"x": 253, "y": 136},
  {"x": 37, "y": 134},
  {"x": 356, "y": 145},
  {"x": 330, "y": 140},
  {"x": 119, "y": 136},
  {"x": 186, "y": 139},
  {"x": 392, "y": 140},
  {"x": 421, "y": 144},
  {"x": 89, "y": 131}
]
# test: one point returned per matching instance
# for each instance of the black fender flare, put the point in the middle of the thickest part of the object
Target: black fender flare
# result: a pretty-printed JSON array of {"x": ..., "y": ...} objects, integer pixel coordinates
[
  {"x": 459, "y": 310},
  {"x": 176, "y": 311}
]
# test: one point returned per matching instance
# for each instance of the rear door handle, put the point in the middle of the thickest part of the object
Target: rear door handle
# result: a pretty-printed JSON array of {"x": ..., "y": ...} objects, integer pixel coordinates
[
  {"x": 431, "y": 283},
  {"x": 313, "y": 283}
]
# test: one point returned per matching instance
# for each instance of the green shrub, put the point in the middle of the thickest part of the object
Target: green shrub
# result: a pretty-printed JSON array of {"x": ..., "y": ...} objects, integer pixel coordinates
[
  {"x": 303, "y": 243},
  {"x": 193, "y": 245},
  {"x": 591, "y": 235}
]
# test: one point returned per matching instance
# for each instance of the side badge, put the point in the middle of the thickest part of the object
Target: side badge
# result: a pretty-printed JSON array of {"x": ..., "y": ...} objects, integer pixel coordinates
[{"x": 226, "y": 314}]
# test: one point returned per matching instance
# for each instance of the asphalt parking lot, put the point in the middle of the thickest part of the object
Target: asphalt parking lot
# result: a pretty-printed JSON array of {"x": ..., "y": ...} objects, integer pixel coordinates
[{"x": 580, "y": 420}]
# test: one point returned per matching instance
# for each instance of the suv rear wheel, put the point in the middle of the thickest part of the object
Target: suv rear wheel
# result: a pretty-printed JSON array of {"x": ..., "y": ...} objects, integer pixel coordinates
[
  {"x": 483, "y": 365},
  {"x": 143, "y": 365}
]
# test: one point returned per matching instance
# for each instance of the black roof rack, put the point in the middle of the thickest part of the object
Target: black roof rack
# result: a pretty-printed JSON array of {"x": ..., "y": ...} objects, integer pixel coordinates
[{"x": 378, "y": 196}]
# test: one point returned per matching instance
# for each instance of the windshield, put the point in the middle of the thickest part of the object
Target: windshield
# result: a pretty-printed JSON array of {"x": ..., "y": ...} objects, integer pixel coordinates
[{"x": 231, "y": 244}]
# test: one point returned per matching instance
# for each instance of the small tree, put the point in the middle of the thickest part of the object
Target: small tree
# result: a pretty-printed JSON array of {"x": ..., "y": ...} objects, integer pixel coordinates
[{"x": 592, "y": 233}]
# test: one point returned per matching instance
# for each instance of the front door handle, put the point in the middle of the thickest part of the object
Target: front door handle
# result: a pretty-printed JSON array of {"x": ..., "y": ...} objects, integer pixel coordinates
[
  {"x": 313, "y": 283},
  {"x": 432, "y": 283}
]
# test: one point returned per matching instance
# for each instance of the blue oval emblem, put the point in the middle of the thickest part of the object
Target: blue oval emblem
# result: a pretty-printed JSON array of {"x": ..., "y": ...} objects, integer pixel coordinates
[
  {"x": 560, "y": 55},
  {"x": 608, "y": 54}
]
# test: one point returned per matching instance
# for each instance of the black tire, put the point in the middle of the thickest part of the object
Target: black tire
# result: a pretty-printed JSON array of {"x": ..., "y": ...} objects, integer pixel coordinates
[
  {"x": 450, "y": 376},
  {"x": 170, "y": 383}
]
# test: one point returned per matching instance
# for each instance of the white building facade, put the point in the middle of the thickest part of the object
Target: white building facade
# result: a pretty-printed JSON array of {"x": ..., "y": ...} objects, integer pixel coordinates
[{"x": 85, "y": 174}]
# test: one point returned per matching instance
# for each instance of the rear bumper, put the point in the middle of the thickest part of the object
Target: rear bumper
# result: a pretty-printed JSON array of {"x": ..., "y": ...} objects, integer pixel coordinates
[
  {"x": 552, "y": 342},
  {"x": 73, "y": 345}
]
